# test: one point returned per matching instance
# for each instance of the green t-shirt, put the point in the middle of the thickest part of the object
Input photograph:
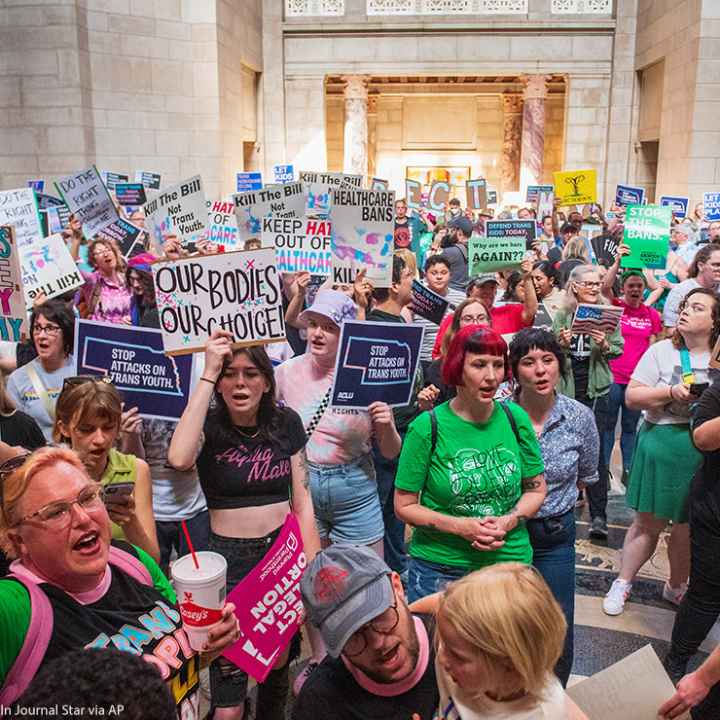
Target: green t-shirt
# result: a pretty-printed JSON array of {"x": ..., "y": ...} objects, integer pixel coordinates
[{"x": 476, "y": 470}]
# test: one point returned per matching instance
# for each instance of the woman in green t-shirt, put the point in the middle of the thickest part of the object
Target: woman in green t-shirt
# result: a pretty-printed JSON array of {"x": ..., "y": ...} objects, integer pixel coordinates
[{"x": 470, "y": 472}]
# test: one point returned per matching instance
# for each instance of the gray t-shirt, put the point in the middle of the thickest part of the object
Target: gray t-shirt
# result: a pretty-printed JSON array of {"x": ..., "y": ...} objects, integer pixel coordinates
[{"x": 22, "y": 390}]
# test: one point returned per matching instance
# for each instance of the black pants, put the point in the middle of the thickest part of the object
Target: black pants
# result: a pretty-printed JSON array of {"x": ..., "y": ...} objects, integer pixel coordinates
[
  {"x": 597, "y": 493},
  {"x": 700, "y": 607}
]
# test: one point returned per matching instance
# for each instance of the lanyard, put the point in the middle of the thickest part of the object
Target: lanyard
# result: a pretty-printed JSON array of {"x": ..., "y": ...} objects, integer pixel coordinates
[{"x": 688, "y": 376}]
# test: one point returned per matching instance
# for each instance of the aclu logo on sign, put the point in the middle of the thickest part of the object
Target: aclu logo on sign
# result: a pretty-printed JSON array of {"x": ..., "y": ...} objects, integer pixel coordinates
[{"x": 346, "y": 395}]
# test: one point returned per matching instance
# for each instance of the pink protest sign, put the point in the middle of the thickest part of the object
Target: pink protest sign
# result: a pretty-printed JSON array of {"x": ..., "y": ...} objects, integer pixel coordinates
[{"x": 268, "y": 605}]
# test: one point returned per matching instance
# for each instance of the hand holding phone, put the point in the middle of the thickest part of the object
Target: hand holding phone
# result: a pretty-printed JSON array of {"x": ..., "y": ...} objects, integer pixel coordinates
[{"x": 118, "y": 493}]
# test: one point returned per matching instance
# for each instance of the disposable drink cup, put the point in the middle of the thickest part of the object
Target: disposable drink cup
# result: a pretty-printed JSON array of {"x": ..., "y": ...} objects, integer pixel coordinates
[{"x": 200, "y": 593}]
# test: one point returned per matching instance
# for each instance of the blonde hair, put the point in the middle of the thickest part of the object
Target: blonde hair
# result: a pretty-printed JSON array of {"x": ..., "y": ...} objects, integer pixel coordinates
[
  {"x": 16, "y": 484},
  {"x": 508, "y": 614},
  {"x": 576, "y": 249},
  {"x": 93, "y": 399},
  {"x": 121, "y": 266},
  {"x": 409, "y": 259}
]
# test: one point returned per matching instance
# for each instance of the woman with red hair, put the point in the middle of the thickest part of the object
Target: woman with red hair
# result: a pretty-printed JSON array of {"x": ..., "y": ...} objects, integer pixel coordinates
[{"x": 470, "y": 471}]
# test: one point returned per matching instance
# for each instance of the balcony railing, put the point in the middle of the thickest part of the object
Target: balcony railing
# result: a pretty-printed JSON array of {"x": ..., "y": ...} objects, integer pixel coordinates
[
  {"x": 303, "y": 8},
  {"x": 582, "y": 7}
]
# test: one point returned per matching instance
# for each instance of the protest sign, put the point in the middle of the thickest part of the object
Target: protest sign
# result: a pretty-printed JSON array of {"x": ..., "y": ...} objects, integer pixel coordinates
[
  {"x": 533, "y": 192},
  {"x": 605, "y": 248},
  {"x": 279, "y": 201},
  {"x": 378, "y": 185},
  {"x": 180, "y": 210},
  {"x": 375, "y": 361},
  {"x": 438, "y": 196},
  {"x": 647, "y": 232},
  {"x": 301, "y": 244},
  {"x": 629, "y": 195},
  {"x": 413, "y": 194},
  {"x": 48, "y": 267},
  {"x": 88, "y": 199},
  {"x": 132, "y": 194},
  {"x": 631, "y": 689},
  {"x": 545, "y": 204},
  {"x": 268, "y": 603},
  {"x": 596, "y": 317},
  {"x": 111, "y": 179},
  {"x": 50, "y": 221},
  {"x": 363, "y": 224},
  {"x": 512, "y": 228},
  {"x": 576, "y": 187},
  {"x": 492, "y": 197},
  {"x": 543, "y": 317},
  {"x": 19, "y": 209},
  {"x": 54, "y": 214},
  {"x": 499, "y": 252},
  {"x": 677, "y": 203},
  {"x": 319, "y": 187},
  {"x": 711, "y": 205},
  {"x": 13, "y": 317},
  {"x": 133, "y": 358},
  {"x": 37, "y": 185},
  {"x": 223, "y": 225},
  {"x": 476, "y": 194},
  {"x": 428, "y": 304},
  {"x": 239, "y": 292},
  {"x": 283, "y": 174},
  {"x": 150, "y": 180},
  {"x": 245, "y": 181},
  {"x": 129, "y": 238}
]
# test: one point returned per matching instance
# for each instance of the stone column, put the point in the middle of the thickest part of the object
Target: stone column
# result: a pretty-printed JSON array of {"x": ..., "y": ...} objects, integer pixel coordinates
[
  {"x": 512, "y": 131},
  {"x": 533, "y": 130},
  {"x": 356, "y": 125},
  {"x": 372, "y": 135}
]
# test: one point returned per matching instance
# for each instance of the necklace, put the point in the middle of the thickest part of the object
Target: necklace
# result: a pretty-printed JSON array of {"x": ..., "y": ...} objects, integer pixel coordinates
[{"x": 247, "y": 435}]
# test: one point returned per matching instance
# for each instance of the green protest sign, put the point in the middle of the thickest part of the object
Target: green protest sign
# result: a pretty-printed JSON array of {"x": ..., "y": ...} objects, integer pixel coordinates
[
  {"x": 495, "y": 253},
  {"x": 647, "y": 233}
]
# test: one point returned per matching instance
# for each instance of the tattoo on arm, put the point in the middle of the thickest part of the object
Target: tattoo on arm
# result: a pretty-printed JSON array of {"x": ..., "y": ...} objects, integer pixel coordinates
[{"x": 305, "y": 470}]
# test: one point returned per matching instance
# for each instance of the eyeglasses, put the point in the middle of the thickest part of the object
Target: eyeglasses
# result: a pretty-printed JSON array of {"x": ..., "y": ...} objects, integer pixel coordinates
[
  {"x": 57, "y": 515},
  {"x": 383, "y": 624},
  {"x": 590, "y": 283},
  {"x": 76, "y": 380},
  {"x": 475, "y": 319},
  {"x": 49, "y": 330}
]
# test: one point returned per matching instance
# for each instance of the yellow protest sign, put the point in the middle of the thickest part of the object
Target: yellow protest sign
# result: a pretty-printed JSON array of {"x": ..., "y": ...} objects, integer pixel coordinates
[{"x": 575, "y": 187}]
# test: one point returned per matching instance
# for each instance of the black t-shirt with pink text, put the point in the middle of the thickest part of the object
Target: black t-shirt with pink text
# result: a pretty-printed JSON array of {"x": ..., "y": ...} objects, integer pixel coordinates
[{"x": 251, "y": 471}]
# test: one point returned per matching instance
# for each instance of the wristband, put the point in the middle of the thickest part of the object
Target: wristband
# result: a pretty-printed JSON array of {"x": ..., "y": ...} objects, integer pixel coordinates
[
  {"x": 671, "y": 389},
  {"x": 207, "y": 380}
]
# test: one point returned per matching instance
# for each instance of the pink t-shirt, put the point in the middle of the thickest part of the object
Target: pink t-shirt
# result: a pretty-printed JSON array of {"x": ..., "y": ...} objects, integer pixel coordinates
[
  {"x": 508, "y": 318},
  {"x": 636, "y": 326},
  {"x": 343, "y": 435}
]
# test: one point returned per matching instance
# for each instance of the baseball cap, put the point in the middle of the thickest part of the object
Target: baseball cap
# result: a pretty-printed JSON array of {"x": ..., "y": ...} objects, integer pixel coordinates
[
  {"x": 482, "y": 278},
  {"x": 462, "y": 223},
  {"x": 343, "y": 588},
  {"x": 332, "y": 304}
]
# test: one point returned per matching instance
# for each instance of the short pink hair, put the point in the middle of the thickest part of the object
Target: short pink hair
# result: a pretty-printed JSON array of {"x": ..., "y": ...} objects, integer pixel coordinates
[{"x": 476, "y": 339}]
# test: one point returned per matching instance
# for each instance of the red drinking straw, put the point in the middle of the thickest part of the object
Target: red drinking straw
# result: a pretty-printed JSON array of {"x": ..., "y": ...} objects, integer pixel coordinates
[{"x": 190, "y": 545}]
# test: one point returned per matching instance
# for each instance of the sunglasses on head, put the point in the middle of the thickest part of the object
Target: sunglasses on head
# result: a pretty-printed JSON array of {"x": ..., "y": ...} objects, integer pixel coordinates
[{"x": 76, "y": 380}]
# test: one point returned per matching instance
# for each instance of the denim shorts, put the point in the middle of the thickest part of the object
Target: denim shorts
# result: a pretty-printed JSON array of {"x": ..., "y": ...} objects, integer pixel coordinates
[
  {"x": 346, "y": 503},
  {"x": 426, "y": 578},
  {"x": 228, "y": 683}
]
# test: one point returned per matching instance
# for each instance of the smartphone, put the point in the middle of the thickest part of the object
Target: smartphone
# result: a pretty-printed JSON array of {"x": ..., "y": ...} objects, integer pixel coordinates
[
  {"x": 698, "y": 388},
  {"x": 118, "y": 493}
]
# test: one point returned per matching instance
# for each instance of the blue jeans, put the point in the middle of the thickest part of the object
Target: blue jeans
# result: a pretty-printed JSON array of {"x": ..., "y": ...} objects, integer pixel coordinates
[
  {"x": 426, "y": 578},
  {"x": 553, "y": 543},
  {"x": 628, "y": 424},
  {"x": 394, "y": 538}
]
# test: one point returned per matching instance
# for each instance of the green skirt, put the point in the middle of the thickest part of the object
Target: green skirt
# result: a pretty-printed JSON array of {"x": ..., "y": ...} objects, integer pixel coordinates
[{"x": 664, "y": 463}]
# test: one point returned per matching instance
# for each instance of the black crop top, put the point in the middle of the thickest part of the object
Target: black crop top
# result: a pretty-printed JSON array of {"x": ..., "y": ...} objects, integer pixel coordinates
[{"x": 252, "y": 471}]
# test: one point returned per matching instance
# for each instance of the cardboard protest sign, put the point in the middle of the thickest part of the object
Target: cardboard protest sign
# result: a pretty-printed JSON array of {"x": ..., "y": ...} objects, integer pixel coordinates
[
  {"x": 677, "y": 203},
  {"x": 533, "y": 192},
  {"x": 319, "y": 187},
  {"x": 88, "y": 199},
  {"x": 37, "y": 185},
  {"x": 130, "y": 194},
  {"x": 13, "y": 317},
  {"x": 596, "y": 317},
  {"x": 245, "y": 181},
  {"x": 283, "y": 174},
  {"x": 378, "y": 185},
  {"x": 281, "y": 201},
  {"x": 438, "y": 196},
  {"x": 413, "y": 194},
  {"x": 499, "y": 252},
  {"x": 180, "y": 210},
  {"x": 301, "y": 244},
  {"x": 150, "y": 180},
  {"x": 375, "y": 361},
  {"x": 134, "y": 359},
  {"x": 575, "y": 187},
  {"x": 605, "y": 248},
  {"x": 19, "y": 209},
  {"x": 239, "y": 292},
  {"x": 647, "y": 232},
  {"x": 48, "y": 267},
  {"x": 711, "y": 205},
  {"x": 363, "y": 224},
  {"x": 428, "y": 304},
  {"x": 476, "y": 194},
  {"x": 268, "y": 604},
  {"x": 629, "y": 195},
  {"x": 129, "y": 238},
  {"x": 111, "y": 179},
  {"x": 223, "y": 225}
]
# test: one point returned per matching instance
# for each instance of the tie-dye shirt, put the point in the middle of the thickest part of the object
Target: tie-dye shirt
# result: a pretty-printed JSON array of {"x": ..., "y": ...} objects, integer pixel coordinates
[{"x": 113, "y": 305}]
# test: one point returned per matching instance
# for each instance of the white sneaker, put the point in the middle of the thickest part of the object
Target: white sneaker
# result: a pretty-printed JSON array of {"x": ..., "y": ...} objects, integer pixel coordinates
[
  {"x": 674, "y": 595},
  {"x": 614, "y": 602}
]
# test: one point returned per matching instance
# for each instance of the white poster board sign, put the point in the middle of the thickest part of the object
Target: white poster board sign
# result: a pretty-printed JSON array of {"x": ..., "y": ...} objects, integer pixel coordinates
[
  {"x": 48, "y": 267},
  {"x": 277, "y": 201},
  {"x": 318, "y": 186},
  {"x": 19, "y": 209},
  {"x": 13, "y": 317},
  {"x": 88, "y": 199}
]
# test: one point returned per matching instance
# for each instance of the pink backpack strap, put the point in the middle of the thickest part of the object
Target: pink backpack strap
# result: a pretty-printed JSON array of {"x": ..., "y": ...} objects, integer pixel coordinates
[
  {"x": 130, "y": 565},
  {"x": 34, "y": 646}
]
